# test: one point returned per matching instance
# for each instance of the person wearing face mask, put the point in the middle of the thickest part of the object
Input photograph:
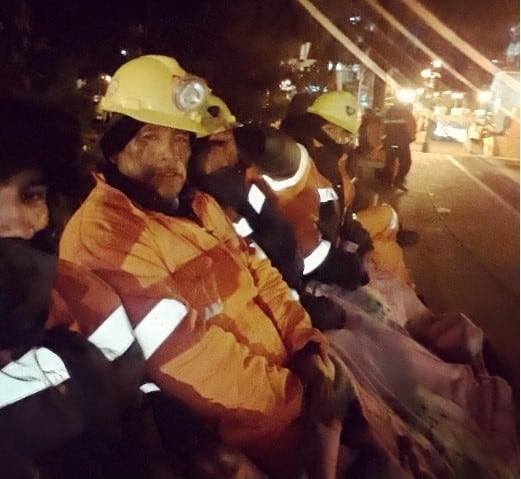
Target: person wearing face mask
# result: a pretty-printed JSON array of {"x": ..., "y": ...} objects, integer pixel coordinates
[
  {"x": 216, "y": 168},
  {"x": 70, "y": 365}
]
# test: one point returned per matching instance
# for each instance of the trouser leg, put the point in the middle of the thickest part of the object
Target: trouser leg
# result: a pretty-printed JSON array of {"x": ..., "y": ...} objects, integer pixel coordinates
[
  {"x": 404, "y": 165},
  {"x": 390, "y": 156}
]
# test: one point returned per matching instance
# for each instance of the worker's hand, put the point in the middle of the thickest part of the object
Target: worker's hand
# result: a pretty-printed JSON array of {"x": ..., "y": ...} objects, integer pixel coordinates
[
  {"x": 335, "y": 402},
  {"x": 327, "y": 389},
  {"x": 324, "y": 313},
  {"x": 227, "y": 185},
  {"x": 341, "y": 268},
  {"x": 353, "y": 231}
]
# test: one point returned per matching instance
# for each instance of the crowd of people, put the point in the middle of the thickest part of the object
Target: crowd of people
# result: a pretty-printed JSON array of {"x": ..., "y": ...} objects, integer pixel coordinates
[{"x": 215, "y": 307}]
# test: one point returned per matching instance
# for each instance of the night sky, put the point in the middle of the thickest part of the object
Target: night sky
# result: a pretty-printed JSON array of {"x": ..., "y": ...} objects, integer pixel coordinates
[
  {"x": 239, "y": 43},
  {"x": 482, "y": 23}
]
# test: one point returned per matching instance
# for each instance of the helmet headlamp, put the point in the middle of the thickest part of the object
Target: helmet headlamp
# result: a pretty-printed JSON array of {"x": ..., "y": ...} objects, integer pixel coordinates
[{"x": 189, "y": 93}]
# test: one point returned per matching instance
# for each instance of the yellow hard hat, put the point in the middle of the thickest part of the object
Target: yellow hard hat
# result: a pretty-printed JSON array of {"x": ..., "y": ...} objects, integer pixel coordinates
[
  {"x": 155, "y": 89},
  {"x": 217, "y": 117},
  {"x": 338, "y": 108}
]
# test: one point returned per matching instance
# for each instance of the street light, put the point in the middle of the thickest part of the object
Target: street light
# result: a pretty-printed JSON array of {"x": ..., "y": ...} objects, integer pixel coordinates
[
  {"x": 426, "y": 73},
  {"x": 406, "y": 95},
  {"x": 484, "y": 96}
]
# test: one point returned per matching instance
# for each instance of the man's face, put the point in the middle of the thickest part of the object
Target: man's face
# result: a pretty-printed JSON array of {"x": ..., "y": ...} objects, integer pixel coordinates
[
  {"x": 23, "y": 205},
  {"x": 157, "y": 157},
  {"x": 219, "y": 151}
]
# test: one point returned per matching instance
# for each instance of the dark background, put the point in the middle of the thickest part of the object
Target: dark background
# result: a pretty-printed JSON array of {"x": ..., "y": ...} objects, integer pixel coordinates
[{"x": 237, "y": 45}]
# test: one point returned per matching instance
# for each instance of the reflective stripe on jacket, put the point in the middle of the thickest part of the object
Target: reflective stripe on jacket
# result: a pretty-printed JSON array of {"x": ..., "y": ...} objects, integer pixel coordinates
[
  {"x": 215, "y": 320},
  {"x": 298, "y": 199},
  {"x": 83, "y": 302},
  {"x": 38, "y": 369}
]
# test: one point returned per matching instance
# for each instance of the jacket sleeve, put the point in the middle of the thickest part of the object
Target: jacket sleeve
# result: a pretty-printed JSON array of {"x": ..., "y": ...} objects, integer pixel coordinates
[{"x": 283, "y": 305}]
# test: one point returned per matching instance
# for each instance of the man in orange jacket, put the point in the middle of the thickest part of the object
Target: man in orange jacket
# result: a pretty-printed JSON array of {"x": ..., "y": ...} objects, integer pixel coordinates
[{"x": 219, "y": 328}]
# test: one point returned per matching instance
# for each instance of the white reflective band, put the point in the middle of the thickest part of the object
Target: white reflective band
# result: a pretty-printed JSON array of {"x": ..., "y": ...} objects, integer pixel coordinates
[
  {"x": 256, "y": 198},
  {"x": 158, "y": 324},
  {"x": 242, "y": 228},
  {"x": 394, "y": 220},
  {"x": 213, "y": 310},
  {"x": 294, "y": 295},
  {"x": 278, "y": 185},
  {"x": 327, "y": 194},
  {"x": 35, "y": 371},
  {"x": 149, "y": 388},
  {"x": 313, "y": 260},
  {"x": 115, "y": 335},
  {"x": 258, "y": 251},
  {"x": 349, "y": 247}
]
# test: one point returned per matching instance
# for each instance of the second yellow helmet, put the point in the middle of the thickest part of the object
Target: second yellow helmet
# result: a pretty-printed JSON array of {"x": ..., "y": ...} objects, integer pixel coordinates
[{"x": 338, "y": 108}]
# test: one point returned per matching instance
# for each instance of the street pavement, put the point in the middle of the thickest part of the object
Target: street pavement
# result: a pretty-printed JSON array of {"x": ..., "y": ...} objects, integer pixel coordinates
[{"x": 466, "y": 212}]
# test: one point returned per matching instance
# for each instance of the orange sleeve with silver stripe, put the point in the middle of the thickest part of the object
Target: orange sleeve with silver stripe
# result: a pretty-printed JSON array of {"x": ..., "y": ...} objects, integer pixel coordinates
[{"x": 84, "y": 302}]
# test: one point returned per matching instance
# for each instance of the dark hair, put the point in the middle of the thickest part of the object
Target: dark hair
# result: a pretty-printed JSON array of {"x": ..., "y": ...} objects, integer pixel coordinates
[
  {"x": 121, "y": 130},
  {"x": 40, "y": 136}
]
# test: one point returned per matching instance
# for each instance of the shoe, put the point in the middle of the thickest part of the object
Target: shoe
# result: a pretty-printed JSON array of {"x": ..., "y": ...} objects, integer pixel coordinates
[{"x": 401, "y": 186}]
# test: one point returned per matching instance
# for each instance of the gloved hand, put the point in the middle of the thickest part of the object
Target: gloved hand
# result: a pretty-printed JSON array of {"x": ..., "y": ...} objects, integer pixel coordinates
[
  {"x": 327, "y": 389},
  {"x": 325, "y": 314},
  {"x": 341, "y": 268},
  {"x": 353, "y": 231},
  {"x": 227, "y": 185}
]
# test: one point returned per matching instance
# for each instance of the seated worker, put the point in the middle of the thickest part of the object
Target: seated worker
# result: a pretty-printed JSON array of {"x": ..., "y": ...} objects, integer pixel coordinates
[
  {"x": 219, "y": 328},
  {"x": 215, "y": 167},
  {"x": 393, "y": 372},
  {"x": 326, "y": 130},
  {"x": 70, "y": 365}
]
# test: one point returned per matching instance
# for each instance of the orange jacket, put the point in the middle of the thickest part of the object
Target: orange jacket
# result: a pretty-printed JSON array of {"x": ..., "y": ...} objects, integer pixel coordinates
[
  {"x": 298, "y": 199},
  {"x": 215, "y": 320}
]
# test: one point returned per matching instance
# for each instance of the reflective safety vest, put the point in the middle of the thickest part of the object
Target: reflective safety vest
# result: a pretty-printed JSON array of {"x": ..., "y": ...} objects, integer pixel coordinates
[
  {"x": 298, "y": 199},
  {"x": 213, "y": 317},
  {"x": 80, "y": 301}
]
